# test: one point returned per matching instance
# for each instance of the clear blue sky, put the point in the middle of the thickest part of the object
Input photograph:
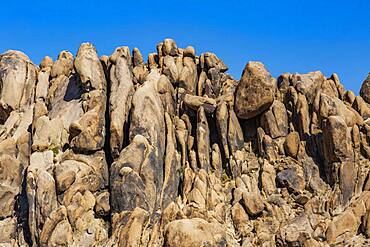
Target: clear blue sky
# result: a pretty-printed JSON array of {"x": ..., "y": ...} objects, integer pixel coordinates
[{"x": 287, "y": 36}]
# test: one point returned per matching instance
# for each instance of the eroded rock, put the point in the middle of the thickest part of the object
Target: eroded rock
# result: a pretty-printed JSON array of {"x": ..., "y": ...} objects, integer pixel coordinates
[
  {"x": 113, "y": 151},
  {"x": 255, "y": 92}
]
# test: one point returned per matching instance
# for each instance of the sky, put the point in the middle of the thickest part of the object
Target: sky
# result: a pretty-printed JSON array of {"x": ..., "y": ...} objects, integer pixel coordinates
[{"x": 287, "y": 36}]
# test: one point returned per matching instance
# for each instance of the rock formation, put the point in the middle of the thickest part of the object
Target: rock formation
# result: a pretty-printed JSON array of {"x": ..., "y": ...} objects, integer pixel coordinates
[{"x": 116, "y": 151}]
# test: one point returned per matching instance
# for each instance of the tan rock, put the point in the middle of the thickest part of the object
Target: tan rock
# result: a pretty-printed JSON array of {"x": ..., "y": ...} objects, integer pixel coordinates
[
  {"x": 137, "y": 57},
  {"x": 253, "y": 203},
  {"x": 10, "y": 181},
  {"x": 255, "y": 92},
  {"x": 291, "y": 144},
  {"x": 201, "y": 83},
  {"x": 102, "y": 206},
  {"x": 292, "y": 178},
  {"x": 189, "y": 52},
  {"x": 191, "y": 156},
  {"x": 188, "y": 76},
  {"x": 170, "y": 69},
  {"x": 303, "y": 116},
  {"x": 275, "y": 120},
  {"x": 64, "y": 100},
  {"x": 365, "y": 89},
  {"x": 194, "y": 102},
  {"x": 18, "y": 79},
  {"x": 268, "y": 178},
  {"x": 235, "y": 133},
  {"x": 126, "y": 180},
  {"x": 337, "y": 140},
  {"x": 329, "y": 87},
  {"x": 203, "y": 142},
  {"x": 209, "y": 60},
  {"x": 49, "y": 134},
  {"x": 334, "y": 107},
  {"x": 193, "y": 232},
  {"x": 361, "y": 107},
  {"x": 8, "y": 228},
  {"x": 148, "y": 121},
  {"x": 169, "y": 47},
  {"x": 341, "y": 224},
  {"x": 167, "y": 95},
  {"x": 307, "y": 84},
  {"x": 240, "y": 219},
  {"x": 91, "y": 173},
  {"x": 65, "y": 177},
  {"x": 216, "y": 160},
  {"x": 171, "y": 166},
  {"x": 222, "y": 116},
  {"x": 129, "y": 233},
  {"x": 340, "y": 88},
  {"x": 347, "y": 180},
  {"x": 46, "y": 62},
  {"x": 297, "y": 229},
  {"x": 63, "y": 65},
  {"x": 213, "y": 84},
  {"x": 42, "y": 84},
  {"x": 121, "y": 92},
  {"x": 88, "y": 133}
]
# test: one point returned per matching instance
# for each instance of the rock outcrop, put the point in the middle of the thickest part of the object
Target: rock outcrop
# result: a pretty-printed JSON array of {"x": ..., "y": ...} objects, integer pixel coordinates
[{"x": 115, "y": 151}]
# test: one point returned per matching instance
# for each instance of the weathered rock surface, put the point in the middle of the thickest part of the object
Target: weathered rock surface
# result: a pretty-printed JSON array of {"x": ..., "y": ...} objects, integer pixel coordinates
[
  {"x": 365, "y": 89},
  {"x": 113, "y": 151},
  {"x": 255, "y": 92},
  {"x": 18, "y": 80},
  {"x": 121, "y": 92},
  {"x": 194, "y": 232}
]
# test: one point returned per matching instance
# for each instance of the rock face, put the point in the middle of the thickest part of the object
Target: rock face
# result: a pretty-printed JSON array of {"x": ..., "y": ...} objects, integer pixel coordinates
[{"x": 113, "y": 151}]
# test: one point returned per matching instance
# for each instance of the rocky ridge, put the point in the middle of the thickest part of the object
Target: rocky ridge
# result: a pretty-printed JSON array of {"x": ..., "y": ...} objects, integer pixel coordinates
[{"x": 116, "y": 151}]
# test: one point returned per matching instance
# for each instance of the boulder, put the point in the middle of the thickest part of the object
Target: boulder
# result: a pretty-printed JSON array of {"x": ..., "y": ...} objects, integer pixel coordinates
[
  {"x": 292, "y": 178},
  {"x": 46, "y": 62},
  {"x": 188, "y": 75},
  {"x": 255, "y": 92},
  {"x": 344, "y": 223},
  {"x": 275, "y": 120},
  {"x": 210, "y": 60},
  {"x": 291, "y": 144},
  {"x": 253, "y": 203},
  {"x": 296, "y": 230},
  {"x": 365, "y": 89},
  {"x": 169, "y": 47},
  {"x": 308, "y": 84},
  {"x": 63, "y": 65},
  {"x": 337, "y": 140},
  {"x": 330, "y": 106},
  {"x": 194, "y": 102},
  {"x": 193, "y": 232}
]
